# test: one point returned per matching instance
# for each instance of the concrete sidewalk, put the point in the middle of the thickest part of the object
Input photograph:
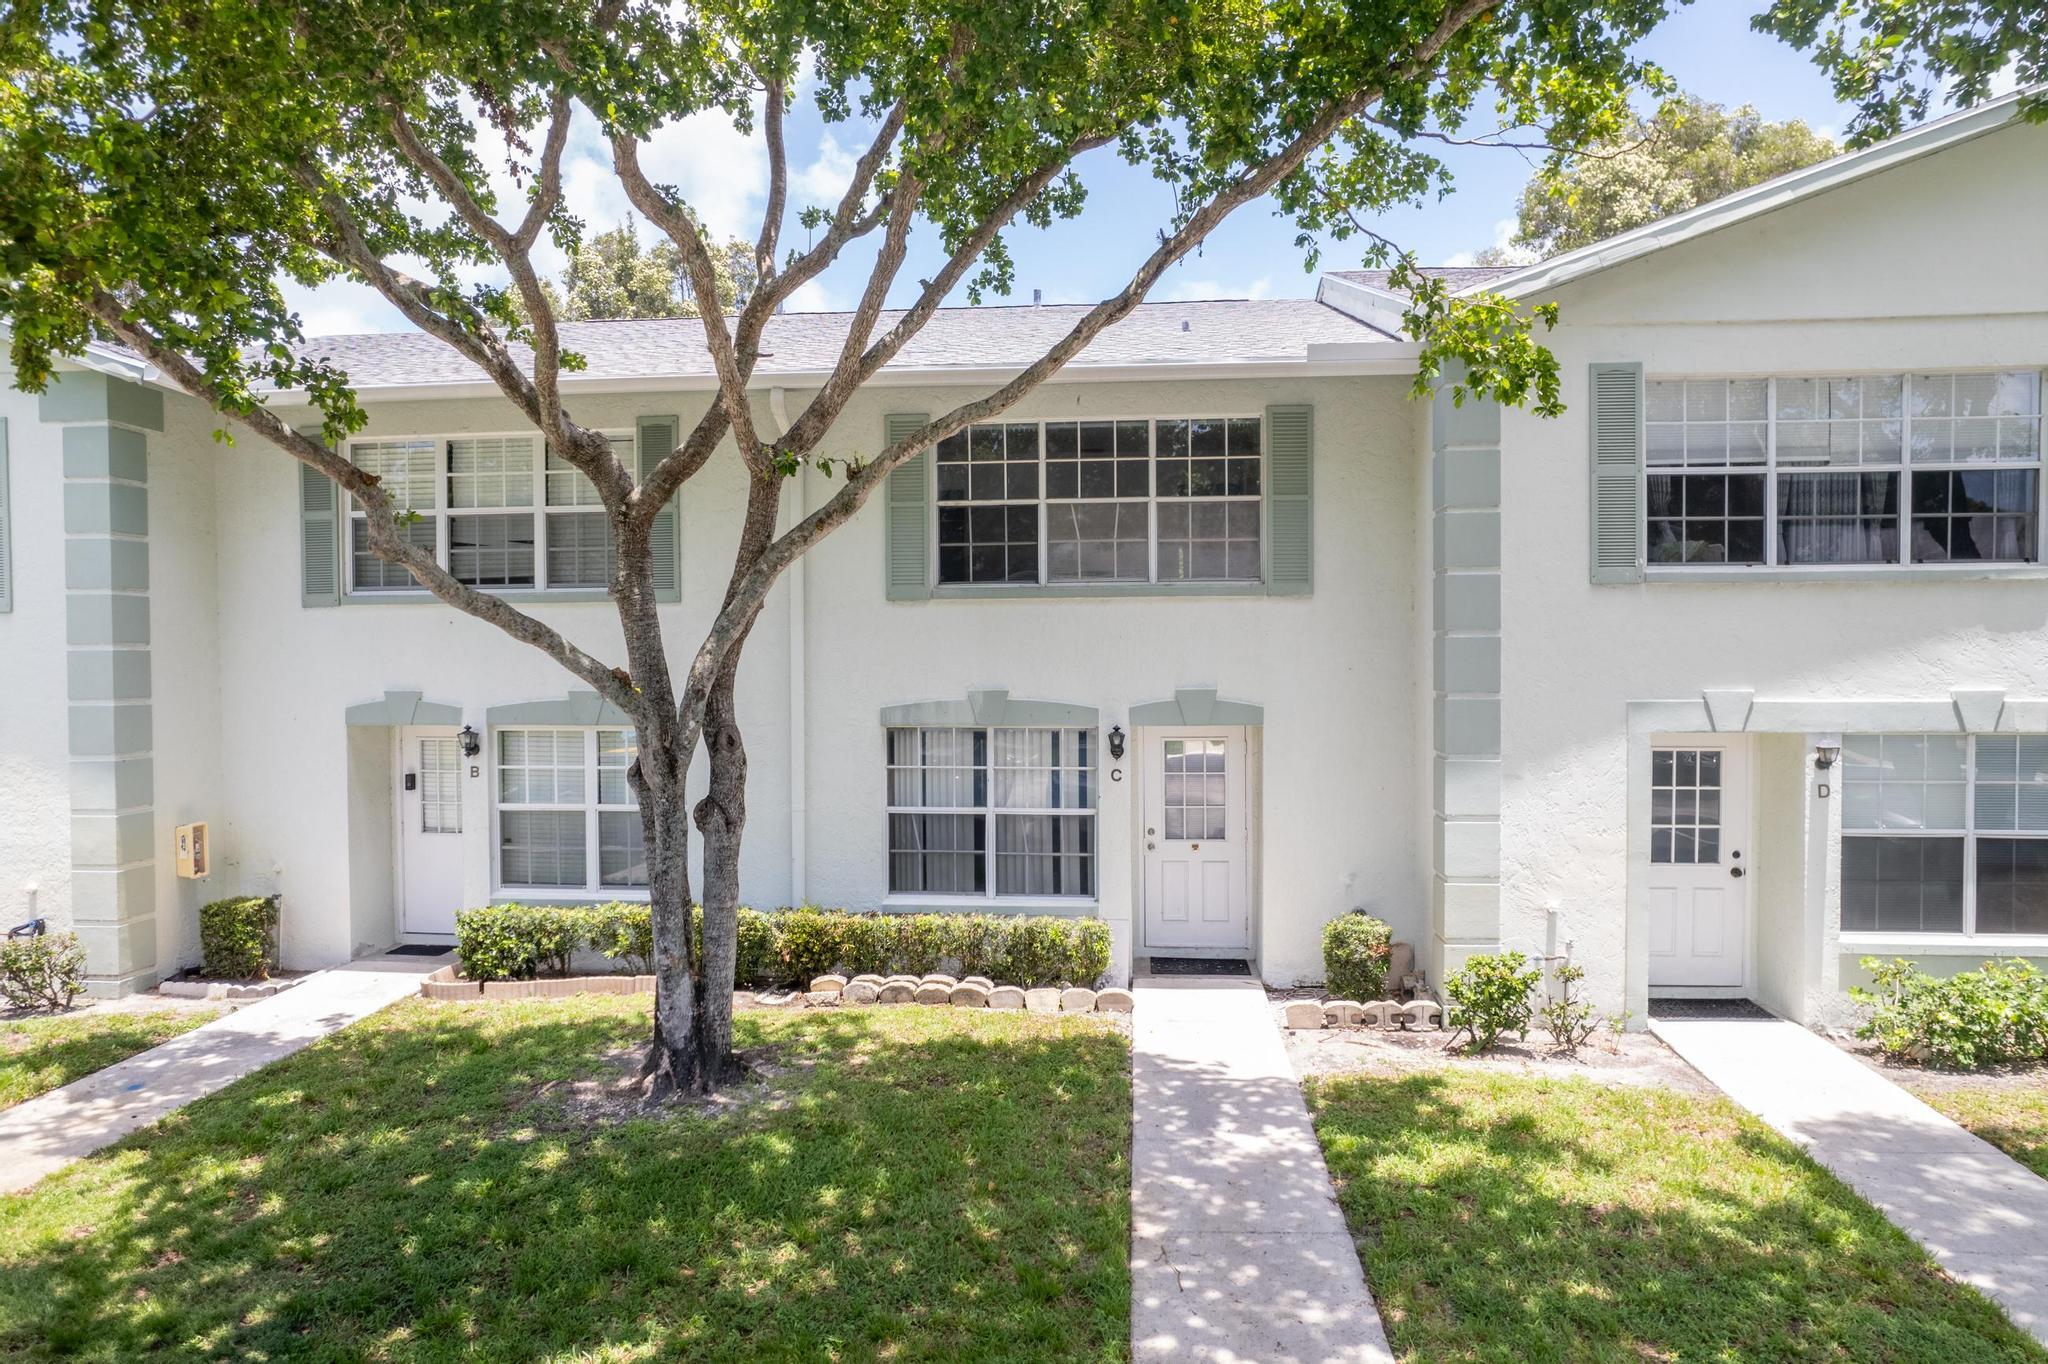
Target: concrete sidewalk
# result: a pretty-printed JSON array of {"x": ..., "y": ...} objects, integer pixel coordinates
[
  {"x": 1239, "y": 1252},
  {"x": 1980, "y": 1213},
  {"x": 50, "y": 1131}
]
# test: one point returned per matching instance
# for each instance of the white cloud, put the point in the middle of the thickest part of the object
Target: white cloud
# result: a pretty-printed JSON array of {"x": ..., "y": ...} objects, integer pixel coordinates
[
  {"x": 813, "y": 297},
  {"x": 1195, "y": 290},
  {"x": 340, "y": 308},
  {"x": 1504, "y": 230},
  {"x": 824, "y": 181}
]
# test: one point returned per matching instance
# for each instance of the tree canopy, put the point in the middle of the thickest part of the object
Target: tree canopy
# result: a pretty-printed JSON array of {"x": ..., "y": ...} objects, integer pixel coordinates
[
  {"x": 1688, "y": 153},
  {"x": 613, "y": 274}
]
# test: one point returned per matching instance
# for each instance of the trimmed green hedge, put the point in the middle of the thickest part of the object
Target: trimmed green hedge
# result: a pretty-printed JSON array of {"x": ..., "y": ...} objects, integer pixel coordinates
[
  {"x": 521, "y": 942},
  {"x": 1356, "y": 952},
  {"x": 238, "y": 938}
]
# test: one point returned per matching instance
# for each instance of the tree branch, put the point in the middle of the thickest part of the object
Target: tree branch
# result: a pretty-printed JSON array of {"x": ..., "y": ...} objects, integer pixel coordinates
[
  {"x": 778, "y": 184},
  {"x": 369, "y": 493}
]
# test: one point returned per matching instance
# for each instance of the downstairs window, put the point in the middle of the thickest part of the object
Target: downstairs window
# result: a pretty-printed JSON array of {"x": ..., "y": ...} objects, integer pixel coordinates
[
  {"x": 567, "y": 817},
  {"x": 992, "y": 813}
]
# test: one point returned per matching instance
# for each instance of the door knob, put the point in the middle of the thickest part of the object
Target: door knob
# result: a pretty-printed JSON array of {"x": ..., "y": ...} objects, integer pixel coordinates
[
  {"x": 1735, "y": 871},
  {"x": 1150, "y": 846}
]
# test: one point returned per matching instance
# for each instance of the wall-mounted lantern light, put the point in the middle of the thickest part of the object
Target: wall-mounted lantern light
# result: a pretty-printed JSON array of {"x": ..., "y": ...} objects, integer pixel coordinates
[
  {"x": 1116, "y": 741},
  {"x": 1824, "y": 755},
  {"x": 472, "y": 742}
]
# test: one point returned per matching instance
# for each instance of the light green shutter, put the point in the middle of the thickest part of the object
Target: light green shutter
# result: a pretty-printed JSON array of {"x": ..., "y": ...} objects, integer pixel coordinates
[
  {"x": 320, "y": 529},
  {"x": 1290, "y": 499},
  {"x": 1617, "y": 424},
  {"x": 907, "y": 533},
  {"x": 6, "y": 532},
  {"x": 655, "y": 440}
]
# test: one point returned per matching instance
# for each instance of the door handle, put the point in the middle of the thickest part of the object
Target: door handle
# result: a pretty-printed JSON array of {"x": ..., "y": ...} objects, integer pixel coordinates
[{"x": 1735, "y": 871}]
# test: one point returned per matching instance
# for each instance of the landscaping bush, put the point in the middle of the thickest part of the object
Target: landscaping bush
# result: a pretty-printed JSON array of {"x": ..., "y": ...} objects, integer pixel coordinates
[
  {"x": 1356, "y": 949},
  {"x": 45, "y": 972},
  {"x": 238, "y": 938},
  {"x": 1489, "y": 996},
  {"x": 1569, "y": 1019},
  {"x": 1993, "y": 1015},
  {"x": 519, "y": 942},
  {"x": 623, "y": 932}
]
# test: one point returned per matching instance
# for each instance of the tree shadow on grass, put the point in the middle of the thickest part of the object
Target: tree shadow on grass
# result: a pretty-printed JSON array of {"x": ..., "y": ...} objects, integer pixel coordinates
[
  {"x": 1556, "y": 1220},
  {"x": 936, "y": 1185}
]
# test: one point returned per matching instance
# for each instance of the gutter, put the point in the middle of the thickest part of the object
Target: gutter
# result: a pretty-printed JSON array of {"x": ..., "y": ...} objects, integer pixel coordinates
[{"x": 798, "y": 577}]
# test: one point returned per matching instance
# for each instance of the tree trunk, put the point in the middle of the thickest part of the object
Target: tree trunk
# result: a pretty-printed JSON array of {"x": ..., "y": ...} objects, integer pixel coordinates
[
  {"x": 674, "y": 1060},
  {"x": 722, "y": 820}
]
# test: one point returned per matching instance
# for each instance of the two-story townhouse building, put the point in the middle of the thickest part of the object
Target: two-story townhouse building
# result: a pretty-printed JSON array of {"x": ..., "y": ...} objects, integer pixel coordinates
[{"x": 1723, "y": 679}]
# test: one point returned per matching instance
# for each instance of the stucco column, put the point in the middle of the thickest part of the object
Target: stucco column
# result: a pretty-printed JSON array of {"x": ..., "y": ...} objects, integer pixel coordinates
[
  {"x": 1465, "y": 566},
  {"x": 106, "y": 422}
]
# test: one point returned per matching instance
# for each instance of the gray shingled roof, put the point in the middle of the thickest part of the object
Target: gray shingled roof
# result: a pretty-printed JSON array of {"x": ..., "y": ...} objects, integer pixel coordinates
[
  {"x": 1218, "y": 331},
  {"x": 1459, "y": 276}
]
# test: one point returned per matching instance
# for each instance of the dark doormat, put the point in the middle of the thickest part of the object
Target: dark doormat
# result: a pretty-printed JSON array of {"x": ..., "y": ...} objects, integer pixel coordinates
[
  {"x": 1200, "y": 966},
  {"x": 419, "y": 949},
  {"x": 1706, "y": 1009}
]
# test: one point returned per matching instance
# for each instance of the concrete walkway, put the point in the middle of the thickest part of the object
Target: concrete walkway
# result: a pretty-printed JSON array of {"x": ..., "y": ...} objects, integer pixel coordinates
[
  {"x": 1980, "y": 1213},
  {"x": 1239, "y": 1253},
  {"x": 50, "y": 1131}
]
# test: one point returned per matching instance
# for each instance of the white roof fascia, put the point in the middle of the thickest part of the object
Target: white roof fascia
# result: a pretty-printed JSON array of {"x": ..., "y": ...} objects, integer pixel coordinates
[
  {"x": 1321, "y": 360},
  {"x": 1757, "y": 199},
  {"x": 1380, "y": 309}
]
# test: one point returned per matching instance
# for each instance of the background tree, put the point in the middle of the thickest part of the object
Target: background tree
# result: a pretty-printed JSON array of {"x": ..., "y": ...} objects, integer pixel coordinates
[
  {"x": 164, "y": 164},
  {"x": 614, "y": 275},
  {"x": 1896, "y": 60},
  {"x": 1690, "y": 152}
]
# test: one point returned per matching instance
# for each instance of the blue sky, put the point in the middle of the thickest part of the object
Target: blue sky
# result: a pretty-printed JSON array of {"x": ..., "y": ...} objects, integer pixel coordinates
[{"x": 1708, "y": 47}]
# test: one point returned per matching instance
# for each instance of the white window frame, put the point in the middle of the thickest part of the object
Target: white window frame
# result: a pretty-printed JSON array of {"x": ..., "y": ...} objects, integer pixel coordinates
[
  {"x": 1151, "y": 499},
  {"x": 1997, "y": 944},
  {"x": 989, "y": 811},
  {"x": 623, "y": 442},
  {"x": 591, "y": 807},
  {"x": 1905, "y": 467}
]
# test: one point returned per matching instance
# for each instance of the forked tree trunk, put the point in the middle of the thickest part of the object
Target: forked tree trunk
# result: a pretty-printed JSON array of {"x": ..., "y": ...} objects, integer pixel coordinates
[
  {"x": 722, "y": 820},
  {"x": 674, "y": 1058}
]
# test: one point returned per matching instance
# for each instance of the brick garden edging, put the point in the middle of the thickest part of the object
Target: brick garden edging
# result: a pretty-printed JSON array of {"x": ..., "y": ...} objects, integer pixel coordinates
[{"x": 973, "y": 992}]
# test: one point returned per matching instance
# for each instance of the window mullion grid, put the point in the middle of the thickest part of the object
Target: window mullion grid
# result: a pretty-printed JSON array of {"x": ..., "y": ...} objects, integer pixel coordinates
[
  {"x": 1771, "y": 472},
  {"x": 1905, "y": 560},
  {"x": 590, "y": 851},
  {"x": 539, "y": 474},
  {"x": 1044, "y": 511},
  {"x": 1151, "y": 501}
]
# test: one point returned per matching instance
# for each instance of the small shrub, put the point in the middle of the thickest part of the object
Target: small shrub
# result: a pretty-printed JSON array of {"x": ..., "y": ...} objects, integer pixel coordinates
[
  {"x": 813, "y": 941},
  {"x": 44, "y": 972},
  {"x": 519, "y": 942},
  {"x": 1489, "y": 997},
  {"x": 1567, "y": 1018},
  {"x": 1356, "y": 950},
  {"x": 758, "y": 960},
  {"x": 622, "y": 932},
  {"x": 238, "y": 938},
  {"x": 1986, "y": 1017}
]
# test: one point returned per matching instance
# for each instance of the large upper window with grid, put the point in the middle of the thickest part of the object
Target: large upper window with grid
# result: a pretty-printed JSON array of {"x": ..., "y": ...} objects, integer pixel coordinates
[
  {"x": 567, "y": 818},
  {"x": 1945, "y": 834},
  {"x": 1862, "y": 469},
  {"x": 1163, "y": 500},
  {"x": 498, "y": 512},
  {"x": 991, "y": 813}
]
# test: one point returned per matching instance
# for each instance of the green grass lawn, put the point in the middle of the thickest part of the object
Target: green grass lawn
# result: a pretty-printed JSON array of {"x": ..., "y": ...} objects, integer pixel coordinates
[
  {"x": 39, "y": 1054},
  {"x": 1529, "y": 1220},
  {"x": 2013, "y": 1119},
  {"x": 923, "y": 1184}
]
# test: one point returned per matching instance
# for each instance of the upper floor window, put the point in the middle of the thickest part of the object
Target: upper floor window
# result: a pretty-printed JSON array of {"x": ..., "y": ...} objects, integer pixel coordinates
[
  {"x": 1100, "y": 501},
  {"x": 1945, "y": 834},
  {"x": 498, "y": 512},
  {"x": 1866, "y": 469}
]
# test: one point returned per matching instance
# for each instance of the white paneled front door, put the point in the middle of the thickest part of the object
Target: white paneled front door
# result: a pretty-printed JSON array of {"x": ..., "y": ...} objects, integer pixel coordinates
[
  {"x": 1699, "y": 865},
  {"x": 1197, "y": 840},
  {"x": 430, "y": 815}
]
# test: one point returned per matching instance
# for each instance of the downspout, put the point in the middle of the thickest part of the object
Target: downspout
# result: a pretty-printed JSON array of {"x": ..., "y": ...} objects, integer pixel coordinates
[{"x": 794, "y": 508}]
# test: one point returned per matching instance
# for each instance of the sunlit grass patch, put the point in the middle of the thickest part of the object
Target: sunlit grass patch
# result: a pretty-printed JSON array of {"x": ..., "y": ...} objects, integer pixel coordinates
[{"x": 41, "y": 1054}]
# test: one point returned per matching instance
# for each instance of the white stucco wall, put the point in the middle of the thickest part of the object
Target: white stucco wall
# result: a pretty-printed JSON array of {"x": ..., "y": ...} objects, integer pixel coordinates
[
  {"x": 1936, "y": 264},
  {"x": 35, "y": 792},
  {"x": 1336, "y": 673}
]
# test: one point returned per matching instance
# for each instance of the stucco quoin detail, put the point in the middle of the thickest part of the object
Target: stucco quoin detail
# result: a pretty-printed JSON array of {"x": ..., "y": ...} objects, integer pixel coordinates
[
  {"x": 992, "y": 707},
  {"x": 1197, "y": 706}
]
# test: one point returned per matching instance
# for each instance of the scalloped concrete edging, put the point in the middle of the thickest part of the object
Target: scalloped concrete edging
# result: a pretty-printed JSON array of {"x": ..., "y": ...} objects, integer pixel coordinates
[
  {"x": 828, "y": 991},
  {"x": 1421, "y": 1015},
  {"x": 232, "y": 992}
]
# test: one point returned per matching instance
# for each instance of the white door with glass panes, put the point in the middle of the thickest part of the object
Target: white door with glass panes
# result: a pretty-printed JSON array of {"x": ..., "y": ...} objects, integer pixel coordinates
[
  {"x": 1699, "y": 866},
  {"x": 1196, "y": 840},
  {"x": 430, "y": 815}
]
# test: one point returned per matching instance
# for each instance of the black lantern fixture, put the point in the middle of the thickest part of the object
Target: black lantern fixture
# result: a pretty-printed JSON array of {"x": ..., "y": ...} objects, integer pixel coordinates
[
  {"x": 1116, "y": 741},
  {"x": 1824, "y": 755},
  {"x": 472, "y": 742}
]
